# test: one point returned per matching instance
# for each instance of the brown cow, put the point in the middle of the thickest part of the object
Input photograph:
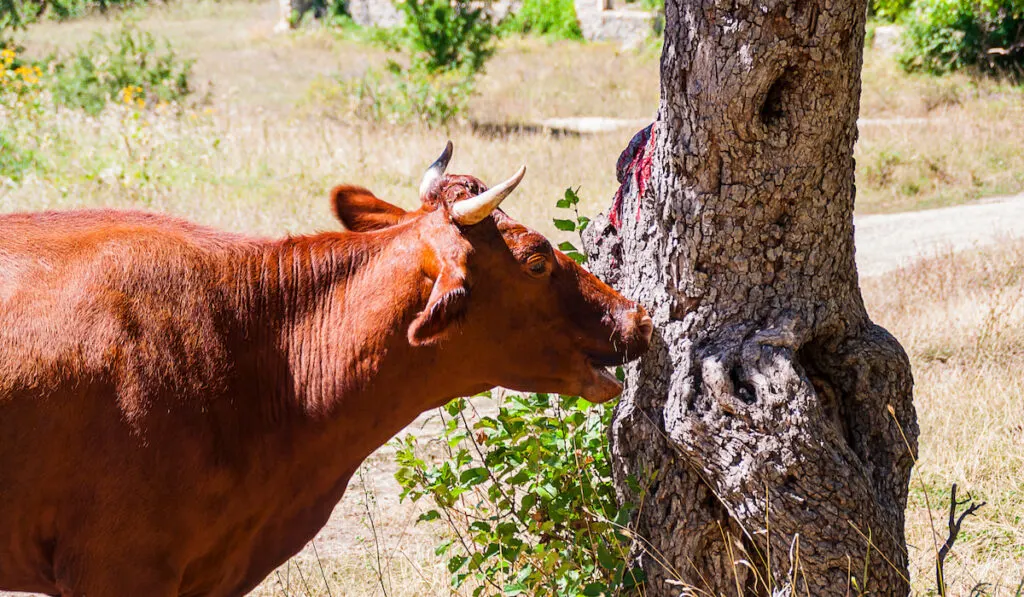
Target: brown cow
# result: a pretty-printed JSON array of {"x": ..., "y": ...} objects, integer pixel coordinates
[{"x": 181, "y": 409}]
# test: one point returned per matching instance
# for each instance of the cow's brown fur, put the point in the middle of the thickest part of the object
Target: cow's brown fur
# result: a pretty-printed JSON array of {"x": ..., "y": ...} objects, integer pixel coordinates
[{"x": 181, "y": 408}]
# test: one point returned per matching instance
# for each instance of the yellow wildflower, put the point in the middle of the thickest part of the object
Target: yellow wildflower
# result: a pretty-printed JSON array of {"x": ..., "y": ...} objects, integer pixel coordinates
[
  {"x": 7, "y": 56},
  {"x": 27, "y": 74}
]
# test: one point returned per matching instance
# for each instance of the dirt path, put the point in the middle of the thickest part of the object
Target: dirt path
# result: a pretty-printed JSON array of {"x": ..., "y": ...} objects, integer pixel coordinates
[{"x": 884, "y": 243}]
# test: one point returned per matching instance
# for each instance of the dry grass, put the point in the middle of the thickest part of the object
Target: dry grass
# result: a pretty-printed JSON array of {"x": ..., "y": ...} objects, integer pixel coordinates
[
  {"x": 961, "y": 320},
  {"x": 254, "y": 162},
  {"x": 970, "y": 143},
  {"x": 258, "y": 161}
]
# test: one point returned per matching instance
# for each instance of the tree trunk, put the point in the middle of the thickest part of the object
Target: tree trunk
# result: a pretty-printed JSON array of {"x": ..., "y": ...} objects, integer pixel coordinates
[{"x": 767, "y": 438}]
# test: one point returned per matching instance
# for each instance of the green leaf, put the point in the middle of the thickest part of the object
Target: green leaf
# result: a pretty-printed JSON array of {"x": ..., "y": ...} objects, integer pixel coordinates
[
  {"x": 566, "y": 246},
  {"x": 566, "y": 225},
  {"x": 474, "y": 476},
  {"x": 456, "y": 562},
  {"x": 519, "y": 478},
  {"x": 480, "y": 526},
  {"x": 605, "y": 557},
  {"x": 455, "y": 407},
  {"x": 428, "y": 516}
]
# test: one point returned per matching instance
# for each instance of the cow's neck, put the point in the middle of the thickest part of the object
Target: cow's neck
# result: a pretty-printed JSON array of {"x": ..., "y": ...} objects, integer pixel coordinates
[{"x": 330, "y": 314}]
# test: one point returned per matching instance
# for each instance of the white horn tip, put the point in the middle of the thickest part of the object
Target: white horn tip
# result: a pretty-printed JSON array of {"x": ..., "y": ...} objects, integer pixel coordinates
[
  {"x": 437, "y": 169},
  {"x": 470, "y": 211}
]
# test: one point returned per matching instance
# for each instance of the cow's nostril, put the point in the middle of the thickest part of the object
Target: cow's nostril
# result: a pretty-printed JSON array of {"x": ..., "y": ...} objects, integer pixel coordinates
[
  {"x": 637, "y": 325},
  {"x": 645, "y": 327}
]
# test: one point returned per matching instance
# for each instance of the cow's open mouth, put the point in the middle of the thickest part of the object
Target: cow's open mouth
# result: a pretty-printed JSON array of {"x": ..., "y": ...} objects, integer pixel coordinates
[
  {"x": 600, "y": 363},
  {"x": 603, "y": 372},
  {"x": 603, "y": 384},
  {"x": 608, "y": 360}
]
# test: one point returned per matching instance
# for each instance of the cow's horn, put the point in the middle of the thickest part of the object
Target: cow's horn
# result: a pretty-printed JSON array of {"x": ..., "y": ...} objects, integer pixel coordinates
[
  {"x": 436, "y": 170},
  {"x": 470, "y": 211}
]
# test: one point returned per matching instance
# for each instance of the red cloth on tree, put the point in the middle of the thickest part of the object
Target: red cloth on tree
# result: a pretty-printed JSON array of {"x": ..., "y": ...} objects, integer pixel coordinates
[{"x": 633, "y": 171}]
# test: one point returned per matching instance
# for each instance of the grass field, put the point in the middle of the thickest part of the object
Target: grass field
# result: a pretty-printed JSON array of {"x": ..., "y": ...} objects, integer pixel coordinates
[
  {"x": 261, "y": 155},
  {"x": 265, "y": 150}
]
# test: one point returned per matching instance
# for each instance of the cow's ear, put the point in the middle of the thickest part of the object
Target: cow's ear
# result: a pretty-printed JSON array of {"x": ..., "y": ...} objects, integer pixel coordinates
[
  {"x": 445, "y": 308},
  {"x": 359, "y": 210}
]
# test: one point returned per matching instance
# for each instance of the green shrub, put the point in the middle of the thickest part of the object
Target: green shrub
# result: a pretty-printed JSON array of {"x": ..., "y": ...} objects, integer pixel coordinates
[
  {"x": 393, "y": 96},
  {"x": 889, "y": 10},
  {"x": 15, "y": 161},
  {"x": 554, "y": 18},
  {"x": 447, "y": 43},
  {"x": 334, "y": 13},
  {"x": 15, "y": 14},
  {"x": 22, "y": 105},
  {"x": 126, "y": 68},
  {"x": 951, "y": 35},
  {"x": 446, "y": 35},
  {"x": 527, "y": 494}
]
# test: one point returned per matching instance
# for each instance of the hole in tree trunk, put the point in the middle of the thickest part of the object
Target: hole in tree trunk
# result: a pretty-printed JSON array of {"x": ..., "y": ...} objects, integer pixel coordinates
[
  {"x": 744, "y": 391},
  {"x": 698, "y": 385},
  {"x": 830, "y": 395},
  {"x": 776, "y": 104}
]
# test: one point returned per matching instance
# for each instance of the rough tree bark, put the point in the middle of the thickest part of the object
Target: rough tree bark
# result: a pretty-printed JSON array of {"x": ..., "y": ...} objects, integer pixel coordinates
[{"x": 771, "y": 428}]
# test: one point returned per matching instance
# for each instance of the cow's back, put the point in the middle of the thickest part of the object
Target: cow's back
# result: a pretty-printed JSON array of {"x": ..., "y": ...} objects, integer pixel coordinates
[
  {"x": 95, "y": 295},
  {"x": 114, "y": 330}
]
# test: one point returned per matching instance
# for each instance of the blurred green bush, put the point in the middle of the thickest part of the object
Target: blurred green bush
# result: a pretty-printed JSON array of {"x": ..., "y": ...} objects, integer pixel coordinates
[
  {"x": 553, "y": 18},
  {"x": 889, "y": 10},
  {"x": 15, "y": 14},
  {"x": 127, "y": 67},
  {"x": 985, "y": 36}
]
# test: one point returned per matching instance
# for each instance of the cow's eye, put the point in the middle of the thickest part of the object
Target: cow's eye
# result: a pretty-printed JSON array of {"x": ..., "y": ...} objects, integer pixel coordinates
[{"x": 538, "y": 264}]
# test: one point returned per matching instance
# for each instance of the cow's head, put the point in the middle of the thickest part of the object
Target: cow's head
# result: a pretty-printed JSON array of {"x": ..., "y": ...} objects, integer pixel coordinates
[{"x": 499, "y": 304}]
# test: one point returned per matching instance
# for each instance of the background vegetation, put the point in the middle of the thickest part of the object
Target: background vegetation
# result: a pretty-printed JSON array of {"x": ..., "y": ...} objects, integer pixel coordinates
[
  {"x": 554, "y": 18},
  {"x": 941, "y": 36},
  {"x": 196, "y": 109}
]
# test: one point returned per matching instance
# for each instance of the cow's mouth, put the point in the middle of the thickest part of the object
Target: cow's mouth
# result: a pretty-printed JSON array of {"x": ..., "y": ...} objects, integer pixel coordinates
[
  {"x": 607, "y": 360},
  {"x": 603, "y": 372},
  {"x": 603, "y": 385}
]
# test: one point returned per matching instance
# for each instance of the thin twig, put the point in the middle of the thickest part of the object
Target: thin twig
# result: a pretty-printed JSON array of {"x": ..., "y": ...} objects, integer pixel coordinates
[
  {"x": 373, "y": 529},
  {"x": 954, "y": 531},
  {"x": 302, "y": 577},
  {"x": 319, "y": 563},
  {"x": 280, "y": 583}
]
